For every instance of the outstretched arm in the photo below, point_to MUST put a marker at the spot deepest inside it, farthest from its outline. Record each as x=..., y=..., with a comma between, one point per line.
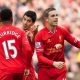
x=72, y=40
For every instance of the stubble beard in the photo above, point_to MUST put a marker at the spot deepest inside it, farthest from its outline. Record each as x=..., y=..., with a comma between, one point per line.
x=54, y=23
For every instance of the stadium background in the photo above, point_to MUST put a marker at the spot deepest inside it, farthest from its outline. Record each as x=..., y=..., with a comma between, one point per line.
x=69, y=17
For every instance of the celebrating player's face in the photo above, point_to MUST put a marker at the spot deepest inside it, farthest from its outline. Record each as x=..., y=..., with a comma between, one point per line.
x=53, y=18
x=27, y=22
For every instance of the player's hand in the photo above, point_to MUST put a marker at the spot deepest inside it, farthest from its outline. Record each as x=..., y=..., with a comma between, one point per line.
x=30, y=34
x=59, y=64
x=34, y=28
x=26, y=72
x=36, y=75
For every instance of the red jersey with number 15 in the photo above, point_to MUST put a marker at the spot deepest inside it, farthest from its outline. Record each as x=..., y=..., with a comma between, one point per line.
x=14, y=46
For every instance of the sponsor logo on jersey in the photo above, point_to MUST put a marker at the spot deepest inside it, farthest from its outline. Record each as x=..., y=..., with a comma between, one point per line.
x=58, y=46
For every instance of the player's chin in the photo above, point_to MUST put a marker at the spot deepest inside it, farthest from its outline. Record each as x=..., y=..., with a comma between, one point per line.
x=25, y=28
x=55, y=23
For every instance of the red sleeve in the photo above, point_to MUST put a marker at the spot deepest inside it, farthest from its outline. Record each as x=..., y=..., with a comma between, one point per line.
x=26, y=50
x=72, y=40
x=40, y=50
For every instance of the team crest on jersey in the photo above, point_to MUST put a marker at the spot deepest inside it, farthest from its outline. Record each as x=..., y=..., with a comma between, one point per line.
x=60, y=38
x=37, y=44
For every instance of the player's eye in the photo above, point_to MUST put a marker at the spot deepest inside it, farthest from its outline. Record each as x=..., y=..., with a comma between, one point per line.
x=28, y=20
x=54, y=15
x=24, y=19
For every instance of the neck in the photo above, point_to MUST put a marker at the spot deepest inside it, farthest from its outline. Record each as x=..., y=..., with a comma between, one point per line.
x=7, y=22
x=51, y=28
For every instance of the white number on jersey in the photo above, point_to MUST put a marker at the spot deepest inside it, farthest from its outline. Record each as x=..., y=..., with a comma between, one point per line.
x=8, y=46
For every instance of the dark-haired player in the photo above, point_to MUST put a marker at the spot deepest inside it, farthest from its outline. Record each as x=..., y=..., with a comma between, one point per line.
x=30, y=29
x=50, y=48
x=15, y=51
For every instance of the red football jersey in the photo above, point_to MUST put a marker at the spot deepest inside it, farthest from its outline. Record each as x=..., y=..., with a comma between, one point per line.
x=15, y=51
x=50, y=46
x=32, y=44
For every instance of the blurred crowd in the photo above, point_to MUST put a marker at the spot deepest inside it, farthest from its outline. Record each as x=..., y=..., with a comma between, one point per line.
x=69, y=18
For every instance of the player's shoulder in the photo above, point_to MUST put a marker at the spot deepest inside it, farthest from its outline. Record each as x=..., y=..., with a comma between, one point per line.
x=61, y=28
x=18, y=29
x=41, y=31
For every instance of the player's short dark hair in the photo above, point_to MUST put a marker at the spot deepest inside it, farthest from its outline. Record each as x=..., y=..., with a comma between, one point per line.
x=5, y=14
x=0, y=16
x=46, y=12
x=31, y=14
